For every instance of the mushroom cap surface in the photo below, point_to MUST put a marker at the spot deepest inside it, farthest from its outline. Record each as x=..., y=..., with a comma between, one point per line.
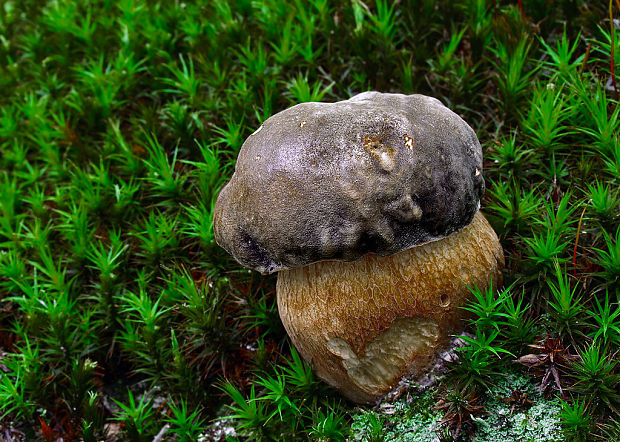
x=376, y=173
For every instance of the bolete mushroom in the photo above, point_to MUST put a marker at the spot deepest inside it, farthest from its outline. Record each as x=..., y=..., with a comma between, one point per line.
x=368, y=208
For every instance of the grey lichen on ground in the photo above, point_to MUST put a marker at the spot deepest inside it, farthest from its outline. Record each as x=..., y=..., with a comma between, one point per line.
x=540, y=422
x=415, y=420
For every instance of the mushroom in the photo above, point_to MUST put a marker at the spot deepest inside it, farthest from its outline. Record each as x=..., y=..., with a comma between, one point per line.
x=369, y=210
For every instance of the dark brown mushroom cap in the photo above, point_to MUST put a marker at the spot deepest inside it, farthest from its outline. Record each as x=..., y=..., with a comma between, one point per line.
x=376, y=173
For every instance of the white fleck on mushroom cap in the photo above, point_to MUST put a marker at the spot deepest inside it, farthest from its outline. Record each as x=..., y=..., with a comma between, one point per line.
x=378, y=173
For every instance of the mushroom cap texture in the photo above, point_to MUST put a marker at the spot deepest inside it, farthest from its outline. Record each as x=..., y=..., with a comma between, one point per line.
x=364, y=325
x=376, y=173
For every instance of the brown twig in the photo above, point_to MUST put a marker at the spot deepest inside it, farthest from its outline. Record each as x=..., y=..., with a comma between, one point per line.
x=585, y=58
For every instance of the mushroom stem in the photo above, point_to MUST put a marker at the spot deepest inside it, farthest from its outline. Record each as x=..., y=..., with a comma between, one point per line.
x=363, y=325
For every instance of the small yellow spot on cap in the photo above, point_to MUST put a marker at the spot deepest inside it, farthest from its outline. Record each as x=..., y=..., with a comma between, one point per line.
x=408, y=141
x=302, y=124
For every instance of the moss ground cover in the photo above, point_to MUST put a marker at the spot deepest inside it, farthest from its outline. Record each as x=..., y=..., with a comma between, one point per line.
x=121, y=319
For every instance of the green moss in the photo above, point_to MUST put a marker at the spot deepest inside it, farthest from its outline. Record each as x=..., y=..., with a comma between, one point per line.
x=120, y=121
